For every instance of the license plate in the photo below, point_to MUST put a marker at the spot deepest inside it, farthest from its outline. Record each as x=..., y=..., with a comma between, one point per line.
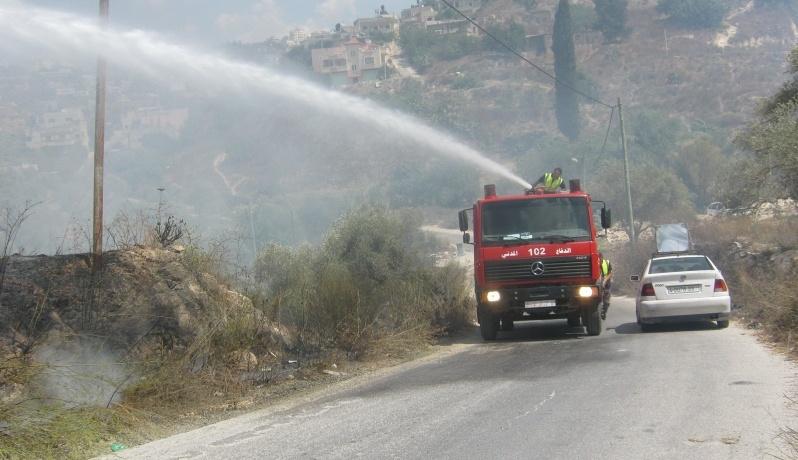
x=689, y=289
x=540, y=304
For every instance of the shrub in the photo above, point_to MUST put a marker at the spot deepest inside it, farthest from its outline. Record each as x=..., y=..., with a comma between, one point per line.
x=422, y=47
x=368, y=280
x=694, y=13
x=611, y=18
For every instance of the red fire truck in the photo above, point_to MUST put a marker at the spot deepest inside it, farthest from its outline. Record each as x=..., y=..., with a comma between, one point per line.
x=536, y=257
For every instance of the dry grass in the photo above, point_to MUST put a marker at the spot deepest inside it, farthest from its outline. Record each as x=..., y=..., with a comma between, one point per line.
x=779, y=232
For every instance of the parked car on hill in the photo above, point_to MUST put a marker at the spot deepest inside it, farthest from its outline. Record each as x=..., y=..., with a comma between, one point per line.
x=681, y=287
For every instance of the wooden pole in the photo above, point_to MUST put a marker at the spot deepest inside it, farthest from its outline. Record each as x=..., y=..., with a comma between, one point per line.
x=99, y=150
x=632, y=236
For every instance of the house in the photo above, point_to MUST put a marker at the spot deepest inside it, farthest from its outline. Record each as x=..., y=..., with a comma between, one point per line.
x=452, y=26
x=297, y=36
x=418, y=14
x=351, y=62
x=64, y=128
x=383, y=24
x=136, y=124
x=468, y=6
x=12, y=120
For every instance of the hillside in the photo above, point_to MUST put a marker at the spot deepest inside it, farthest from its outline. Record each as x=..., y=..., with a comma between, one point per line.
x=709, y=79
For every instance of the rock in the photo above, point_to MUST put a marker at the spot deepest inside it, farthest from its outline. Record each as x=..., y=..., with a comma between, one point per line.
x=785, y=262
x=5, y=428
x=243, y=360
x=779, y=208
x=329, y=372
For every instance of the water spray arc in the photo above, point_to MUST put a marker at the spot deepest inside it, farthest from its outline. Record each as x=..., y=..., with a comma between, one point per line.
x=149, y=55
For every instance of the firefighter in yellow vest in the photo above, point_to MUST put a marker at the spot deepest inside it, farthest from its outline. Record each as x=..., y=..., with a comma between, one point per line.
x=550, y=182
x=606, y=276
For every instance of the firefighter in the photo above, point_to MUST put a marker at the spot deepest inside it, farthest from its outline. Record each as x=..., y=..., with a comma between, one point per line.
x=550, y=182
x=606, y=274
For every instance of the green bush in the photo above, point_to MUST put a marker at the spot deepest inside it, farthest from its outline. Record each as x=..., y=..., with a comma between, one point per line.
x=369, y=279
x=512, y=35
x=694, y=13
x=611, y=19
x=422, y=47
x=583, y=18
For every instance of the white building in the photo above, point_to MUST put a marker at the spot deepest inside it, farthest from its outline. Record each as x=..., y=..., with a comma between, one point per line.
x=65, y=128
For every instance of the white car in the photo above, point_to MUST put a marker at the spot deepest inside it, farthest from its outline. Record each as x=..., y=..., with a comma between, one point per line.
x=682, y=287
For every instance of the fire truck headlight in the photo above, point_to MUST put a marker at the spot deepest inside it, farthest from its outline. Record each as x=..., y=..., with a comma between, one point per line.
x=493, y=296
x=585, y=291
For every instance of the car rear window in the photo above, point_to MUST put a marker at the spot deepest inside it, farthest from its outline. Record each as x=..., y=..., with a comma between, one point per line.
x=681, y=264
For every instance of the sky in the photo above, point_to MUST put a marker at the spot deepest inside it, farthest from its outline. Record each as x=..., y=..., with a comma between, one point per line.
x=229, y=20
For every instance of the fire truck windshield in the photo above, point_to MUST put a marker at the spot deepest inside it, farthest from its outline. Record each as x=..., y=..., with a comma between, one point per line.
x=556, y=219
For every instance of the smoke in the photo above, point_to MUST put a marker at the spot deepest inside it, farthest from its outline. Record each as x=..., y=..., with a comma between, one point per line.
x=295, y=152
x=79, y=372
x=146, y=54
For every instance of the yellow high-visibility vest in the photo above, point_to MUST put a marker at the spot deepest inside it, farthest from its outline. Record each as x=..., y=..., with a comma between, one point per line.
x=550, y=182
x=605, y=267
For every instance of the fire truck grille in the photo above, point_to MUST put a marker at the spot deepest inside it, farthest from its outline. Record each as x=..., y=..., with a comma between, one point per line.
x=543, y=269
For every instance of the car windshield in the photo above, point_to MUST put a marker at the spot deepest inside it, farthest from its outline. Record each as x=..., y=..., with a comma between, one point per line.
x=680, y=264
x=542, y=219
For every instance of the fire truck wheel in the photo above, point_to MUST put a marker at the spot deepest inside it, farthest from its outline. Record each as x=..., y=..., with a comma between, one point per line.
x=574, y=320
x=592, y=320
x=488, y=326
x=507, y=324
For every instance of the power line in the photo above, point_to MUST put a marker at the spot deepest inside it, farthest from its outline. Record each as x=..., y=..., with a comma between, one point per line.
x=523, y=58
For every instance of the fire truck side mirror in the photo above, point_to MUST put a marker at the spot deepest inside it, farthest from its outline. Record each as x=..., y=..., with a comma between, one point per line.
x=606, y=218
x=463, y=220
x=466, y=238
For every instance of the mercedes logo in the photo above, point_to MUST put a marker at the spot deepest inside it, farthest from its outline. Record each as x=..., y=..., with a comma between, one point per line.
x=538, y=268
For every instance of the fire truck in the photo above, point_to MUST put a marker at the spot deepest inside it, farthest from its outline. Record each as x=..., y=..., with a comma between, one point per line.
x=536, y=257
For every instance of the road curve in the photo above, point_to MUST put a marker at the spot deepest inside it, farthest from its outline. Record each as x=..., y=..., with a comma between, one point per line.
x=691, y=391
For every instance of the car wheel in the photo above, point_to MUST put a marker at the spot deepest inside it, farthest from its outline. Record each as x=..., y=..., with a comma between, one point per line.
x=507, y=324
x=592, y=320
x=574, y=321
x=488, y=326
x=723, y=323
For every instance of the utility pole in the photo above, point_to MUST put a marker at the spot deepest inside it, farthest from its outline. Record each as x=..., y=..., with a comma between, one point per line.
x=99, y=150
x=632, y=236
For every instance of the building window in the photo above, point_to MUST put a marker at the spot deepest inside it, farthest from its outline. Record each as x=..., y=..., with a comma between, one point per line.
x=369, y=61
x=340, y=62
x=328, y=63
x=354, y=68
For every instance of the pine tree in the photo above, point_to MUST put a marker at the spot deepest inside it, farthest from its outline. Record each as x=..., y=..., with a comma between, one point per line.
x=611, y=18
x=567, y=104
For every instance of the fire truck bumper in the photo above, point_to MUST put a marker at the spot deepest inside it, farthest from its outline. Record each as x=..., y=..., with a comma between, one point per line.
x=539, y=302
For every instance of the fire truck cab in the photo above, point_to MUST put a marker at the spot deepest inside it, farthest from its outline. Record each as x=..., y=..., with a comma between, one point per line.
x=536, y=257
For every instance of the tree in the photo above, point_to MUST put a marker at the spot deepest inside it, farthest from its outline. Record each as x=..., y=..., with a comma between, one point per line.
x=567, y=104
x=772, y=140
x=658, y=195
x=513, y=35
x=694, y=13
x=700, y=163
x=611, y=18
x=657, y=133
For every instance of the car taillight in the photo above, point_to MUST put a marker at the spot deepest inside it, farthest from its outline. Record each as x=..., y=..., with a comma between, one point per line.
x=648, y=290
x=720, y=286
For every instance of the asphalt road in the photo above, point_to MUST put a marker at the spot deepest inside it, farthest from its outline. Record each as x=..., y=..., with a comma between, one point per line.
x=690, y=391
